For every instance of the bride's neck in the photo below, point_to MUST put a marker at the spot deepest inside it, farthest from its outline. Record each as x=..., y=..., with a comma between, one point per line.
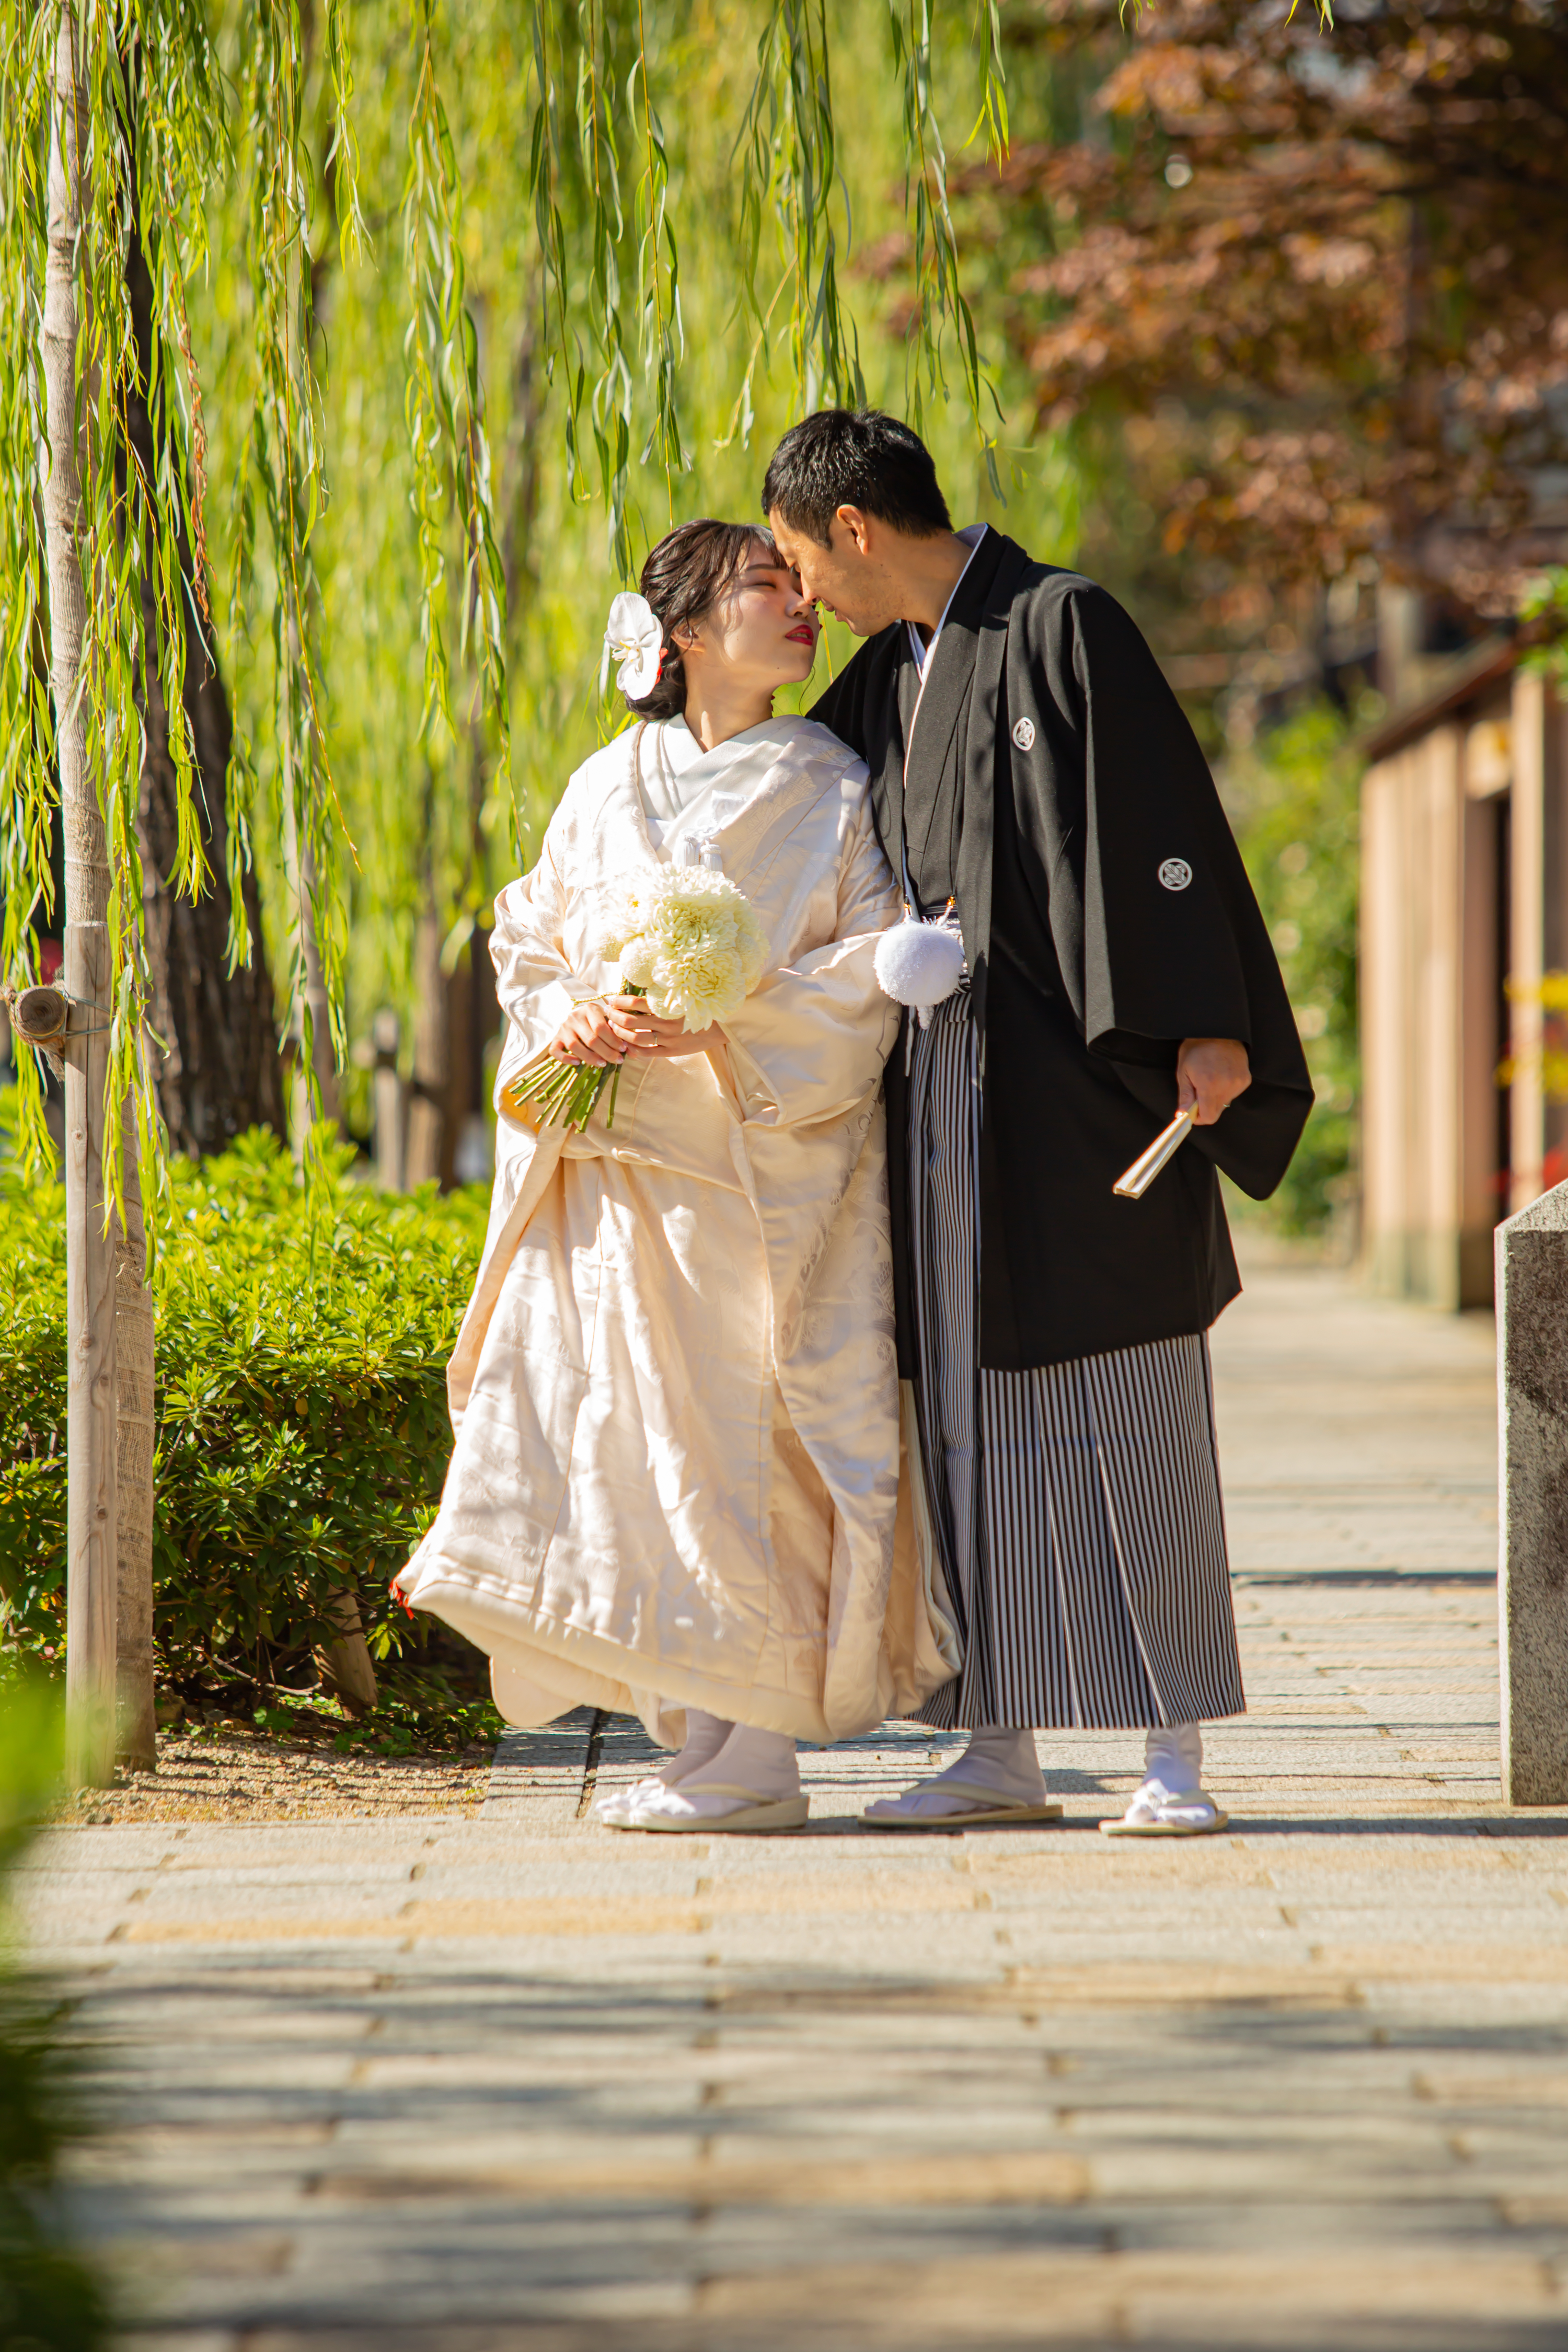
x=719, y=707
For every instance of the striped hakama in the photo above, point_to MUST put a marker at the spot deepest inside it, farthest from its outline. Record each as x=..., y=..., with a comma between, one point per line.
x=1076, y=1508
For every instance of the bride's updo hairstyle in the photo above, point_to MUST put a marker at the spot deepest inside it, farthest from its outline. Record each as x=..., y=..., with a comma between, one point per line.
x=690, y=570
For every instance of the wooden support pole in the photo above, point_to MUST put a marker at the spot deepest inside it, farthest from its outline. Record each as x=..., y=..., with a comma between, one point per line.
x=136, y=1726
x=42, y=1018
x=91, y=1431
x=90, y=1569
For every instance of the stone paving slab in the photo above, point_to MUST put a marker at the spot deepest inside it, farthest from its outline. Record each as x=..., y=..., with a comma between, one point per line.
x=515, y=2084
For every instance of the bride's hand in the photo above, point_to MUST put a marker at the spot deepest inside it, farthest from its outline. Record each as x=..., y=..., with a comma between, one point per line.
x=647, y=1037
x=586, y=1036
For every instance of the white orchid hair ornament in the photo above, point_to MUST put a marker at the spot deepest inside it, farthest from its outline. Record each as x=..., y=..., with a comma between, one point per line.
x=633, y=640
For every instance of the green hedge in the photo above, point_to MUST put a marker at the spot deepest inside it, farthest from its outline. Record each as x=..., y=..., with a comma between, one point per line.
x=301, y=1415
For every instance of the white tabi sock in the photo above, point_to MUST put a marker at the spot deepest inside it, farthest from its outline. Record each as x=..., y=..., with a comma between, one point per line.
x=1174, y=1755
x=1001, y=1760
x=999, y=1767
x=705, y=1735
x=761, y=1763
x=1173, y=1797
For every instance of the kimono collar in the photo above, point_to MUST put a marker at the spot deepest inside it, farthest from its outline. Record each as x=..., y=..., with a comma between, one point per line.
x=972, y=536
x=748, y=793
x=674, y=771
x=681, y=753
x=930, y=731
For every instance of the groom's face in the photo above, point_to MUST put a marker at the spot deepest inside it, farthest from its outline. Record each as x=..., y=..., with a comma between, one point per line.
x=851, y=577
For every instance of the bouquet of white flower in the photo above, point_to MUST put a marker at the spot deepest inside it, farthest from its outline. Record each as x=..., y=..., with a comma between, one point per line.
x=689, y=941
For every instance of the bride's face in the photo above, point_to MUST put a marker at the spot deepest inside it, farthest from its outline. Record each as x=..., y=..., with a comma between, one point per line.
x=762, y=632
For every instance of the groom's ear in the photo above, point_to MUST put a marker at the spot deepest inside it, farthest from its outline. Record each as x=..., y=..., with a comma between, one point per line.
x=858, y=526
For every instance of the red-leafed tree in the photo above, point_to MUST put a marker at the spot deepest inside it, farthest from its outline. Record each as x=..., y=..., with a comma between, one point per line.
x=1317, y=280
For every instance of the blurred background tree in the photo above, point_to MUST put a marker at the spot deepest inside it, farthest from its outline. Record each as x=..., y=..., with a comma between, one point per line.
x=1302, y=301
x=1296, y=303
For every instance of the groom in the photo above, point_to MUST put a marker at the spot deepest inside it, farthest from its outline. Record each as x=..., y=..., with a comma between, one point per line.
x=1033, y=775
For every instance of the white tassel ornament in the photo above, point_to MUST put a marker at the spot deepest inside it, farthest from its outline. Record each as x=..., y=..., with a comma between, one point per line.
x=920, y=964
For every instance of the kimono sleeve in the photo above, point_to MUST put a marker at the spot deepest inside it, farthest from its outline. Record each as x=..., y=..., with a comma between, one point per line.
x=535, y=980
x=1173, y=940
x=810, y=1041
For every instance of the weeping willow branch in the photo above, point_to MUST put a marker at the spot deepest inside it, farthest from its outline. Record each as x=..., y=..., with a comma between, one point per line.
x=445, y=409
x=599, y=50
x=610, y=406
x=660, y=301
x=787, y=150
x=170, y=138
x=342, y=156
x=145, y=170
x=27, y=789
x=544, y=184
x=940, y=302
x=283, y=464
x=992, y=116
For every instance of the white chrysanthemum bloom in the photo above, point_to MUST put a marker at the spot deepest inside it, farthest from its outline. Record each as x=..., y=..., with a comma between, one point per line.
x=639, y=961
x=692, y=940
x=639, y=899
x=685, y=927
x=699, y=983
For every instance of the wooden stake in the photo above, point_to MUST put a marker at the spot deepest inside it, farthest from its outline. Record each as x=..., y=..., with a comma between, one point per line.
x=346, y=1665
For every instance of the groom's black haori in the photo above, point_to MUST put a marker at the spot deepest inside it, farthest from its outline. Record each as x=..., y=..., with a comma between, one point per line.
x=1053, y=788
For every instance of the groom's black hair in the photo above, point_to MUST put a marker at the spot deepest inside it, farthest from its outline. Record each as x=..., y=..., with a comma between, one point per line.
x=854, y=458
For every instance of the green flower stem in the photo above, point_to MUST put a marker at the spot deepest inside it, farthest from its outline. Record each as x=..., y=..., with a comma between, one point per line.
x=567, y=1093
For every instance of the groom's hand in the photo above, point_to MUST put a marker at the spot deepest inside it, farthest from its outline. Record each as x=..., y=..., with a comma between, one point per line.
x=1211, y=1072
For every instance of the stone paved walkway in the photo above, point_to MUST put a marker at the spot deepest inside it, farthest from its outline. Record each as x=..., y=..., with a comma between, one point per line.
x=517, y=2084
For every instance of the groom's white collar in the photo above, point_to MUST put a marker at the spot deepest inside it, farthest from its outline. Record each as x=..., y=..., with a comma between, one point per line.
x=972, y=536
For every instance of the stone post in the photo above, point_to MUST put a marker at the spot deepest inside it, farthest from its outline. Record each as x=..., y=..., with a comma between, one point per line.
x=1533, y=1472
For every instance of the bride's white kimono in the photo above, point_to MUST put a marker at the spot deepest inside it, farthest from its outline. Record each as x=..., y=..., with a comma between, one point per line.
x=674, y=1392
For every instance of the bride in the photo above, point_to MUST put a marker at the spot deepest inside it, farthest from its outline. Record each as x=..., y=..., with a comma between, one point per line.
x=675, y=1488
